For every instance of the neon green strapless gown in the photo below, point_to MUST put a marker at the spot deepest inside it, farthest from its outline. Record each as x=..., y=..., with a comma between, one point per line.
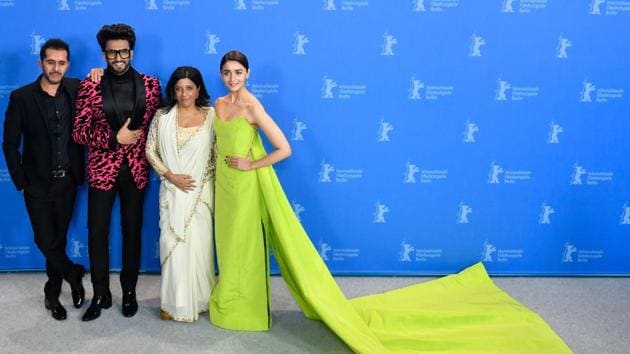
x=461, y=313
x=240, y=300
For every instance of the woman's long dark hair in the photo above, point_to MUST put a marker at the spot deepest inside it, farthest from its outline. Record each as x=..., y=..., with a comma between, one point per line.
x=185, y=72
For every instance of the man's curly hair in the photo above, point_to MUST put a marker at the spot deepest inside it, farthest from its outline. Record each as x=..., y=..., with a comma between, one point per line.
x=116, y=31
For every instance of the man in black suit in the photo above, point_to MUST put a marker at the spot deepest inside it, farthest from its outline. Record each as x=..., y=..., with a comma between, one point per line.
x=48, y=167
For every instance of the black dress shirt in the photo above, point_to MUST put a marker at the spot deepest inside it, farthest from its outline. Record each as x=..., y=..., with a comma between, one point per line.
x=57, y=116
x=123, y=93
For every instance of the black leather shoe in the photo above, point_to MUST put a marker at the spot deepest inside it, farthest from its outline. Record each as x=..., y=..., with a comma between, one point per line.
x=129, y=305
x=76, y=287
x=94, y=311
x=56, y=310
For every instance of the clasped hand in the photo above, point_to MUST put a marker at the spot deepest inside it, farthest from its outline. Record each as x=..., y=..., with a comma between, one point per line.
x=184, y=182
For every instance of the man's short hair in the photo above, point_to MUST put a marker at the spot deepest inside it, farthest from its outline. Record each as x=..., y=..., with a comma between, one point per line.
x=54, y=43
x=116, y=31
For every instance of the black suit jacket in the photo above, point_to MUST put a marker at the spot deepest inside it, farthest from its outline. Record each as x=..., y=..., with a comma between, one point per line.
x=25, y=124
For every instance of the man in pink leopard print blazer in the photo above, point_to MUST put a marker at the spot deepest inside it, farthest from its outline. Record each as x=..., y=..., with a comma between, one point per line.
x=112, y=118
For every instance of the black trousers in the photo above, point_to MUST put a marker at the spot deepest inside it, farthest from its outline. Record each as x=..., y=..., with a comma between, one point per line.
x=50, y=215
x=100, y=205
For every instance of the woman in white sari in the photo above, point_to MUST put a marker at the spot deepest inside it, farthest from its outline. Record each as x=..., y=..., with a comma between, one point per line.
x=179, y=148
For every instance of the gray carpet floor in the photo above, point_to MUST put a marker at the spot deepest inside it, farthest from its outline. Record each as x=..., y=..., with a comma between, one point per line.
x=592, y=315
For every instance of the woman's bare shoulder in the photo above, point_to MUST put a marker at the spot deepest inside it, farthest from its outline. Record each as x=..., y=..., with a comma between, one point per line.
x=220, y=101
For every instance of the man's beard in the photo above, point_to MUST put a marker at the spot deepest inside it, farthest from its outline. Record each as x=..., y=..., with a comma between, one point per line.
x=113, y=69
x=50, y=80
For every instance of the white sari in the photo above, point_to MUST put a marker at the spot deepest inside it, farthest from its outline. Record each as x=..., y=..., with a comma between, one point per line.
x=186, y=226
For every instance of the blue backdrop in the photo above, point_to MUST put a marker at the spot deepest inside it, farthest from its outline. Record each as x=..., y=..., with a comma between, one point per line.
x=427, y=135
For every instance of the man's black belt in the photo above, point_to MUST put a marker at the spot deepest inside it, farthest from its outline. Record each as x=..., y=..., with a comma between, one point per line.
x=60, y=173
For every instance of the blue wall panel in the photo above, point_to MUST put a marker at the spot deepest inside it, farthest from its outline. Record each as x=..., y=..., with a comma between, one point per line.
x=427, y=134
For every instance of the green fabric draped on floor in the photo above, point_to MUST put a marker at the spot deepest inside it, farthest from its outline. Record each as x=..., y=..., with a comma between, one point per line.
x=461, y=313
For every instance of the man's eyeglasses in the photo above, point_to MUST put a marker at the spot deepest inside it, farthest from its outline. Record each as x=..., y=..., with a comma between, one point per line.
x=123, y=53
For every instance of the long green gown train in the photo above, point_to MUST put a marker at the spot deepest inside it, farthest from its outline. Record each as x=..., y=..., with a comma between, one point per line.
x=461, y=313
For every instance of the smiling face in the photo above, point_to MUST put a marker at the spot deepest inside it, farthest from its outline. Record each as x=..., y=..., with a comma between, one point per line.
x=54, y=65
x=118, y=55
x=186, y=92
x=234, y=75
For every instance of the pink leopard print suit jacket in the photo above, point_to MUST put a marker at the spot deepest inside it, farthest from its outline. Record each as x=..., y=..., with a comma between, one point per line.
x=105, y=155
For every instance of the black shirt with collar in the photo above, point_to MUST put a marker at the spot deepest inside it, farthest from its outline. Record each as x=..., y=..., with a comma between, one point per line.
x=57, y=114
x=122, y=87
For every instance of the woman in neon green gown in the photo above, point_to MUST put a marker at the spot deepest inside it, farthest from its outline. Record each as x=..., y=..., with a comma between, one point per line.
x=462, y=313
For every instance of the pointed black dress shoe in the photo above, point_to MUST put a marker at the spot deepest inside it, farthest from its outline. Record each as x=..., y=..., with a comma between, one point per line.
x=57, y=311
x=76, y=288
x=94, y=311
x=129, y=305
